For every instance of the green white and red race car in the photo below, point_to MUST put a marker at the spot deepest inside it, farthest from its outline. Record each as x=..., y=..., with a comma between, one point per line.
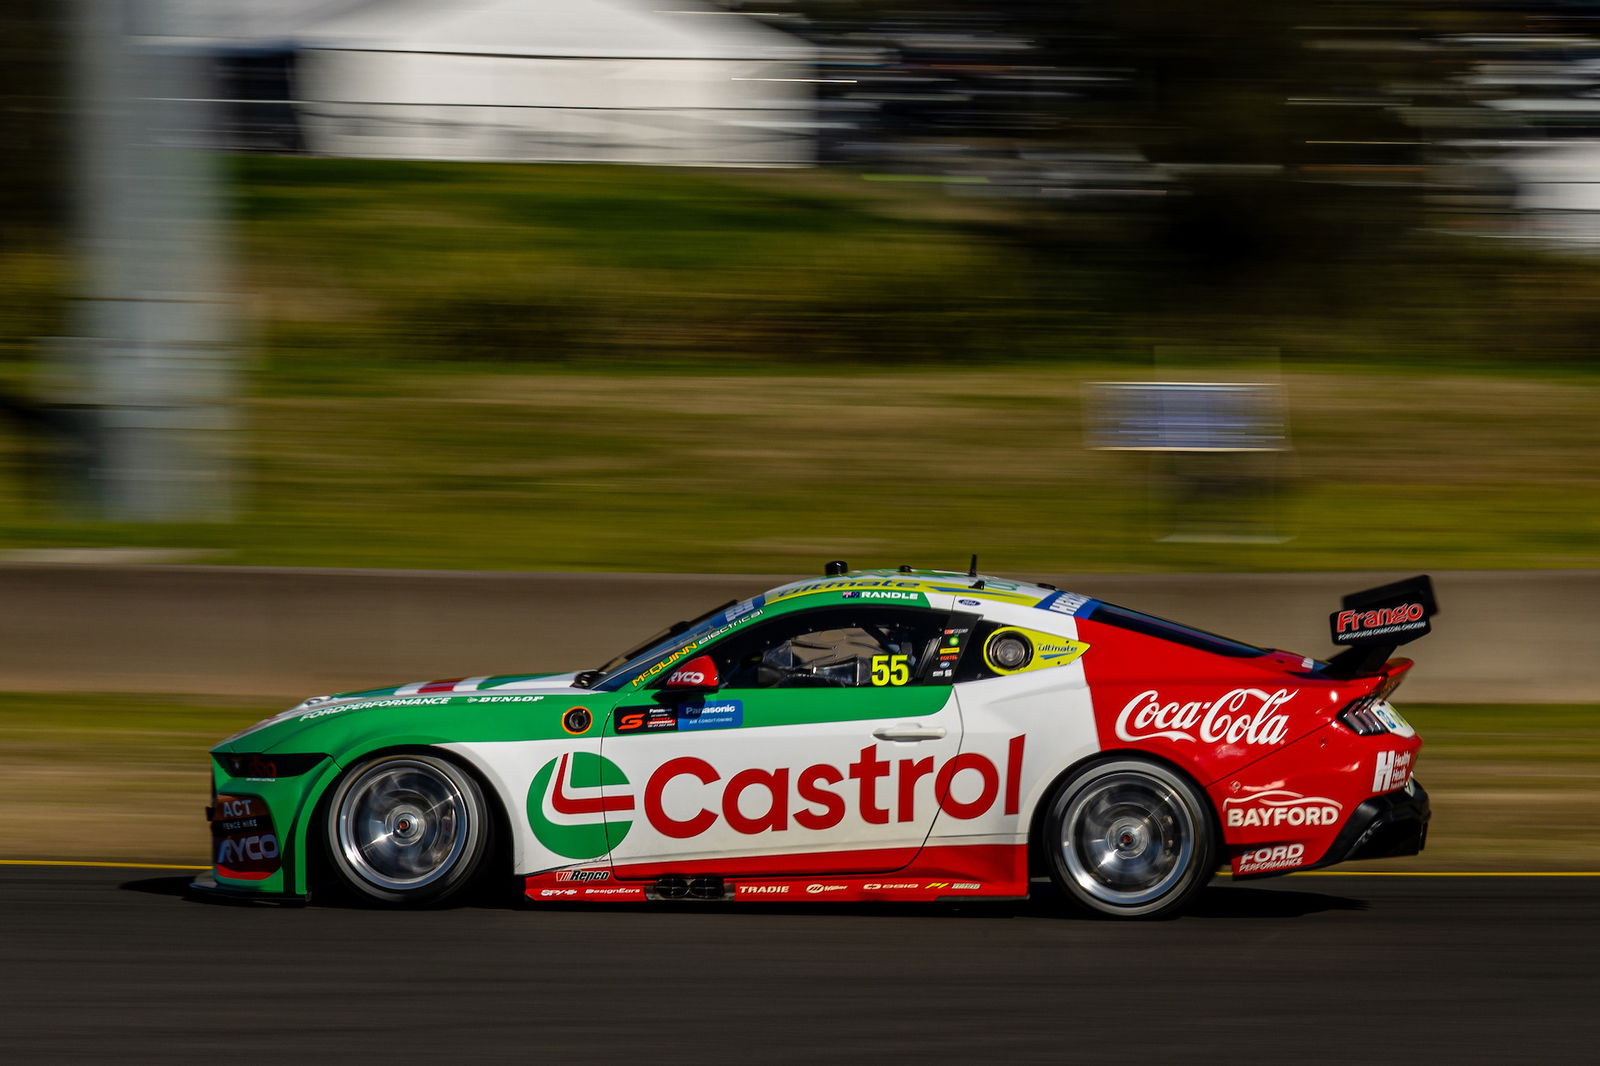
x=880, y=735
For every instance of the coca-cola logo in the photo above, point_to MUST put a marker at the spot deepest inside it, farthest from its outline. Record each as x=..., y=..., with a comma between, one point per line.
x=1242, y=716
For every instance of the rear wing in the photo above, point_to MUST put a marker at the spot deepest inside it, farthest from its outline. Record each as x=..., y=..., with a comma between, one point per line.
x=1373, y=623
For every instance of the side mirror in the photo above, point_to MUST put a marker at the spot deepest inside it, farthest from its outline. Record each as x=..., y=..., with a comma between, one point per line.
x=698, y=673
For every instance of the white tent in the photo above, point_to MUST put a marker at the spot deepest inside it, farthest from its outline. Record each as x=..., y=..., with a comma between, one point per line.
x=606, y=80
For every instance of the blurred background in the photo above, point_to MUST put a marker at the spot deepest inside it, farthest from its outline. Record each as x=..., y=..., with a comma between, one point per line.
x=1110, y=286
x=529, y=284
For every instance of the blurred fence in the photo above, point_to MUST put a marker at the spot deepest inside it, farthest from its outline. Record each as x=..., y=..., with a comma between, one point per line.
x=259, y=631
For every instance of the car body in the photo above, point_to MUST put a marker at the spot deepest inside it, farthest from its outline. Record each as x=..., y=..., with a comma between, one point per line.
x=879, y=735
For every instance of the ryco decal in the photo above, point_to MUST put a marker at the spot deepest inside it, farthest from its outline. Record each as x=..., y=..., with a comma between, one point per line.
x=1242, y=716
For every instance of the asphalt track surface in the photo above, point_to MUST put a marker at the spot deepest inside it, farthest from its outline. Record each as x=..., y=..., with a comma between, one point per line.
x=115, y=965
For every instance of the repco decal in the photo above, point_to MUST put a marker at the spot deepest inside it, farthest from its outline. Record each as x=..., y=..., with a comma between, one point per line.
x=1242, y=716
x=571, y=796
x=1278, y=806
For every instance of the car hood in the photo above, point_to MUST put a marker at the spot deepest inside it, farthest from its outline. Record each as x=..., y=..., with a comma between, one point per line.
x=431, y=711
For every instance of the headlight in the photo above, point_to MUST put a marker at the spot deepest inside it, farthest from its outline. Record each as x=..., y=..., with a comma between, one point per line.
x=266, y=767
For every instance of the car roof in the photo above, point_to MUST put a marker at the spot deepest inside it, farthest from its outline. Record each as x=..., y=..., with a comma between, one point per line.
x=986, y=588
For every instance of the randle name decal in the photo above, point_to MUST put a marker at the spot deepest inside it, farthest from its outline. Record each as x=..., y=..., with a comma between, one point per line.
x=1242, y=716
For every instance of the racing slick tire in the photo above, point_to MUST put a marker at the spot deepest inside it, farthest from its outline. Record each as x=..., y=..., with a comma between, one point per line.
x=1129, y=838
x=407, y=829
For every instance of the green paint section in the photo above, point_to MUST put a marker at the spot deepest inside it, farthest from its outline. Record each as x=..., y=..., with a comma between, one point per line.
x=291, y=801
x=470, y=717
x=586, y=840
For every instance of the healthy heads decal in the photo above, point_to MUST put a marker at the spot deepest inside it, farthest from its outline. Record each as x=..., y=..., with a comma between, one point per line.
x=568, y=804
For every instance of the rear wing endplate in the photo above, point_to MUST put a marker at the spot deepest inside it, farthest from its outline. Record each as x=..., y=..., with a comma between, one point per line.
x=1373, y=623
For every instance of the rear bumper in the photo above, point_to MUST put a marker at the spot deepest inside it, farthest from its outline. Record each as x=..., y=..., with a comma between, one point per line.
x=1383, y=827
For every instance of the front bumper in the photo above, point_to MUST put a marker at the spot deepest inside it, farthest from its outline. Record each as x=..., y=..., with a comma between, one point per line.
x=1384, y=827
x=205, y=887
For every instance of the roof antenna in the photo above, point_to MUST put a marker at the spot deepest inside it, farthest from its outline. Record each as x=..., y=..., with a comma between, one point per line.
x=972, y=571
x=835, y=567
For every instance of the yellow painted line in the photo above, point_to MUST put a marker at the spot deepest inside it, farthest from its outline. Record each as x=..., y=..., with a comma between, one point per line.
x=111, y=865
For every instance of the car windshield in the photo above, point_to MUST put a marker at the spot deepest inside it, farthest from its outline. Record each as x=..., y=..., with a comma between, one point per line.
x=673, y=639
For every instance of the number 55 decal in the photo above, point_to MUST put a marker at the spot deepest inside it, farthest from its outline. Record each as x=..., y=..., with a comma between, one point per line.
x=891, y=669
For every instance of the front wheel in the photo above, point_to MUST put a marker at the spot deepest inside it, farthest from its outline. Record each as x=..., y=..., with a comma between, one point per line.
x=1129, y=838
x=407, y=829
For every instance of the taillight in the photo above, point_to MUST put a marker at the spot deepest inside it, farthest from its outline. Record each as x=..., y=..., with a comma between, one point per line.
x=1371, y=715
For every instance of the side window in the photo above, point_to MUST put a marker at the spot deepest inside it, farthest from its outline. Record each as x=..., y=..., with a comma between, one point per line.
x=835, y=647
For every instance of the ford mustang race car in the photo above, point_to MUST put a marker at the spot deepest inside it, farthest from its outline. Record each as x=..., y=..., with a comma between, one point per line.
x=889, y=735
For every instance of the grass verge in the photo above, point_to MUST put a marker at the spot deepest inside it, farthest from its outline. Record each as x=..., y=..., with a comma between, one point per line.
x=474, y=366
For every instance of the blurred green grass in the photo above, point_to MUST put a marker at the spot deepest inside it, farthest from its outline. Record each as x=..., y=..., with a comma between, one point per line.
x=614, y=368
x=104, y=777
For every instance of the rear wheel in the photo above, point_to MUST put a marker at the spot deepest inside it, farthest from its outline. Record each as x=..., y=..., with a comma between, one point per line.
x=1129, y=838
x=407, y=829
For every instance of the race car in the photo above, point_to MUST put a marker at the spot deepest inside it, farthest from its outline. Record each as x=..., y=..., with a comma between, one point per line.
x=870, y=735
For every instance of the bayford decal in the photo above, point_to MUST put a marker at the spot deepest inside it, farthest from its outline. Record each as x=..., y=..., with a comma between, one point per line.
x=1242, y=716
x=1277, y=807
x=570, y=796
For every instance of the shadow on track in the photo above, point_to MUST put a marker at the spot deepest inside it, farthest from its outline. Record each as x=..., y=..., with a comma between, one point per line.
x=1237, y=901
x=1217, y=901
x=158, y=886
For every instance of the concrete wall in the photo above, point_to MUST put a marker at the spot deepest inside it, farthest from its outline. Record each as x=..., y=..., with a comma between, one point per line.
x=1500, y=635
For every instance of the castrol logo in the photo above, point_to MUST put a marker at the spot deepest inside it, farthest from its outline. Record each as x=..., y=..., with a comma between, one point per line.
x=1242, y=716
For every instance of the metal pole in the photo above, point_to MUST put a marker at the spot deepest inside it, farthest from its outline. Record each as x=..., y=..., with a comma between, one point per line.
x=150, y=372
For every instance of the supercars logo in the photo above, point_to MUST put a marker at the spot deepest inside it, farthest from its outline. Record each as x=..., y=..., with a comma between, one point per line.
x=568, y=802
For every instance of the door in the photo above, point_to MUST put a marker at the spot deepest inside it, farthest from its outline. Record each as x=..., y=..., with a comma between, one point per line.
x=820, y=741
